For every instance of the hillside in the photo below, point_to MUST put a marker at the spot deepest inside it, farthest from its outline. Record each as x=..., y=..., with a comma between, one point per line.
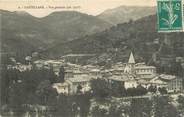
x=120, y=36
x=140, y=36
x=125, y=13
x=20, y=33
x=70, y=25
x=23, y=33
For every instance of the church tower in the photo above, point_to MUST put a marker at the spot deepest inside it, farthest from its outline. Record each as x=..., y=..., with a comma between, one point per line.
x=129, y=68
x=131, y=59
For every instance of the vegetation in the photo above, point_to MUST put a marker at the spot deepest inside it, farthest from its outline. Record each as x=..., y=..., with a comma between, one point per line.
x=24, y=91
x=180, y=101
x=103, y=89
x=139, y=90
x=152, y=89
x=162, y=90
x=100, y=88
x=141, y=107
x=163, y=107
x=139, y=36
x=61, y=74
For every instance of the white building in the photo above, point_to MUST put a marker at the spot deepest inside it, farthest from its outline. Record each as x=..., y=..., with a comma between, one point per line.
x=20, y=67
x=74, y=83
x=145, y=72
x=170, y=82
x=127, y=80
x=140, y=69
x=175, y=85
x=61, y=87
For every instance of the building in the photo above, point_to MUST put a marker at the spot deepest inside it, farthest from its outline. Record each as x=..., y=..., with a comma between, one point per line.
x=127, y=80
x=175, y=85
x=159, y=82
x=170, y=82
x=129, y=68
x=20, y=67
x=47, y=64
x=75, y=83
x=141, y=70
x=61, y=88
x=145, y=72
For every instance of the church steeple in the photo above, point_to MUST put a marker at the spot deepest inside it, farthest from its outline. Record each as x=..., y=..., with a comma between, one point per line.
x=131, y=59
x=129, y=68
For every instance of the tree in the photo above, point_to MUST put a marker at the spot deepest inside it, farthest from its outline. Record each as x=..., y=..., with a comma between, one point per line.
x=63, y=107
x=83, y=101
x=79, y=88
x=61, y=74
x=5, y=84
x=163, y=107
x=16, y=95
x=152, y=89
x=140, y=107
x=100, y=88
x=114, y=111
x=118, y=89
x=51, y=75
x=140, y=90
x=46, y=92
x=131, y=91
x=99, y=112
x=162, y=90
x=180, y=101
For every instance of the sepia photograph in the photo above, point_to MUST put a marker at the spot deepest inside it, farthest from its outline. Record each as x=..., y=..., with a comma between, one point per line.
x=91, y=58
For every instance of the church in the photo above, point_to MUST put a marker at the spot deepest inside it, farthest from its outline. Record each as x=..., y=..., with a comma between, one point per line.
x=141, y=70
x=147, y=75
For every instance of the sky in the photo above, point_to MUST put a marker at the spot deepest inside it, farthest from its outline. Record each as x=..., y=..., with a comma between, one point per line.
x=91, y=7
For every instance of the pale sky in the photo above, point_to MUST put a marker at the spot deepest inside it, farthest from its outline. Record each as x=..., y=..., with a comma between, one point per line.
x=92, y=7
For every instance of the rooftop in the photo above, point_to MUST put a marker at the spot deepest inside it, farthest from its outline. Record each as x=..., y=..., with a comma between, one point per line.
x=131, y=58
x=60, y=84
x=144, y=67
x=79, y=79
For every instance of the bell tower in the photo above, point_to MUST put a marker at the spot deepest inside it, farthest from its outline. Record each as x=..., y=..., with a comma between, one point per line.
x=129, y=68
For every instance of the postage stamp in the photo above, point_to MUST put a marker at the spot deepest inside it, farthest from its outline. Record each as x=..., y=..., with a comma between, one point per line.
x=169, y=15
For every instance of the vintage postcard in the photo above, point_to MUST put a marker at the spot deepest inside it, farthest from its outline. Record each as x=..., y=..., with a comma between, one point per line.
x=91, y=58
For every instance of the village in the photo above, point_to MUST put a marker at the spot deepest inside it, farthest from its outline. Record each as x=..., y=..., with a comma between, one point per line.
x=129, y=75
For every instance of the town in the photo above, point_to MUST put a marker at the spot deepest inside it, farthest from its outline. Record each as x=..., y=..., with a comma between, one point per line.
x=61, y=87
x=129, y=75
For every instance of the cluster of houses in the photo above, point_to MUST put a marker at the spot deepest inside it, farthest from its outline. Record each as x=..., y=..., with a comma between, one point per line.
x=129, y=74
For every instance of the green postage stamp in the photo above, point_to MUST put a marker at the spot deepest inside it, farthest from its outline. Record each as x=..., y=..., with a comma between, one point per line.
x=170, y=15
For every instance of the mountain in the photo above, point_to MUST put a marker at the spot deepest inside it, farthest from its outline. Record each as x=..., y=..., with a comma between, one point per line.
x=70, y=25
x=125, y=13
x=116, y=43
x=20, y=33
x=122, y=36
x=23, y=33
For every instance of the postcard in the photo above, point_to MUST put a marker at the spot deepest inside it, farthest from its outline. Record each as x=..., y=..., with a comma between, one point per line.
x=91, y=58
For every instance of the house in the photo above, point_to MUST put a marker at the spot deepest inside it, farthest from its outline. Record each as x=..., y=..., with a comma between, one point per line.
x=159, y=82
x=114, y=80
x=20, y=67
x=61, y=88
x=172, y=83
x=75, y=83
x=130, y=81
x=126, y=80
x=175, y=85
x=145, y=72
x=141, y=70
